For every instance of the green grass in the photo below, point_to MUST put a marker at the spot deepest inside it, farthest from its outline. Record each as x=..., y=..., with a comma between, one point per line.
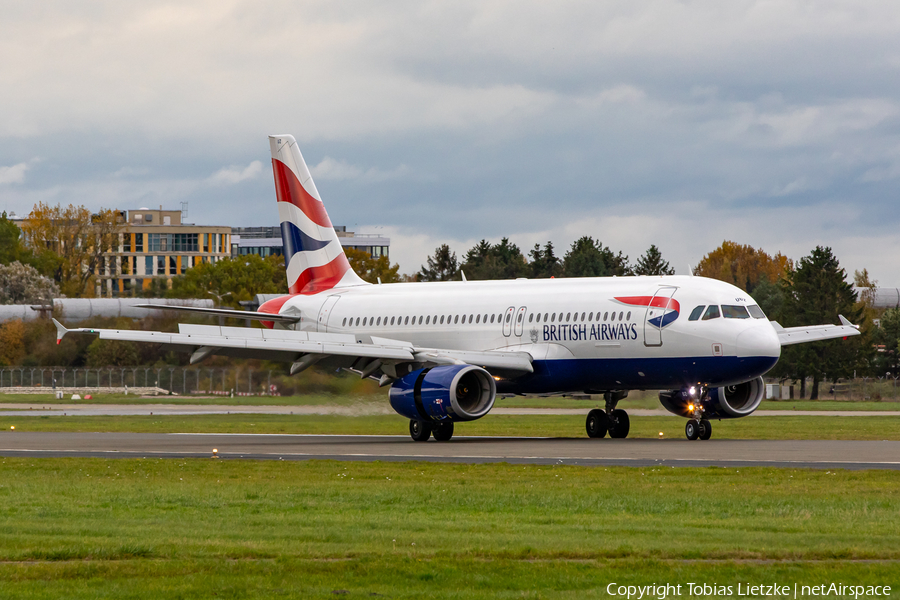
x=91, y=528
x=787, y=427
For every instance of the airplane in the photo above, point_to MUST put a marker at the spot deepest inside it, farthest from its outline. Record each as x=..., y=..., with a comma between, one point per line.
x=447, y=349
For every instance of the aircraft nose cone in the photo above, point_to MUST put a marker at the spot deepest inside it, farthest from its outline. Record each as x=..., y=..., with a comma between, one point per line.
x=760, y=340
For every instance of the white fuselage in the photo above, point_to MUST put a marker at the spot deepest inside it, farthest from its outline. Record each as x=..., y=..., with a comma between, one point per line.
x=583, y=333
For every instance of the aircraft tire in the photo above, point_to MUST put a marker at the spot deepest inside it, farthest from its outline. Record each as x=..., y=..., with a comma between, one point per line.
x=692, y=429
x=597, y=423
x=442, y=431
x=705, y=429
x=419, y=431
x=619, y=424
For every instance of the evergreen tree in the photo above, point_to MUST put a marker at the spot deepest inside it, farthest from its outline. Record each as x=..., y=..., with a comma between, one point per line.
x=652, y=263
x=817, y=294
x=442, y=266
x=888, y=335
x=544, y=262
x=590, y=258
x=497, y=261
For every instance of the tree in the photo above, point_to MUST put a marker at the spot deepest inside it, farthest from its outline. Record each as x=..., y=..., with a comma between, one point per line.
x=442, y=266
x=544, y=262
x=12, y=342
x=652, y=263
x=817, y=293
x=494, y=261
x=22, y=284
x=888, y=335
x=589, y=258
x=108, y=353
x=73, y=238
x=10, y=240
x=371, y=269
x=232, y=279
x=742, y=266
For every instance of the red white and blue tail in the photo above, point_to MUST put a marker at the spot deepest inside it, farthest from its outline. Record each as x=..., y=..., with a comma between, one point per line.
x=313, y=256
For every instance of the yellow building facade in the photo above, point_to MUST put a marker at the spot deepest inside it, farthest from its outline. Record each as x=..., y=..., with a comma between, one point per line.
x=157, y=246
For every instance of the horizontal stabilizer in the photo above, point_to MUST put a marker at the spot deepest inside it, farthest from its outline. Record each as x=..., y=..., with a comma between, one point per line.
x=226, y=312
x=814, y=333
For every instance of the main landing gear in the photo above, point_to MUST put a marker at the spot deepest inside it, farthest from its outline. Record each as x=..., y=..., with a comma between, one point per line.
x=420, y=431
x=613, y=421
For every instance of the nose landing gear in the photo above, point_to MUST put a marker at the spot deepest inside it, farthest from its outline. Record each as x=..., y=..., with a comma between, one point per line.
x=697, y=427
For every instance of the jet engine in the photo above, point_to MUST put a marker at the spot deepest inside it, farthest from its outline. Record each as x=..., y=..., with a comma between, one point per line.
x=455, y=392
x=726, y=402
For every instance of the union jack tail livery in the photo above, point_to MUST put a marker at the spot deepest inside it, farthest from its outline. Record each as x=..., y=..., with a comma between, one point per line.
x=313, y=256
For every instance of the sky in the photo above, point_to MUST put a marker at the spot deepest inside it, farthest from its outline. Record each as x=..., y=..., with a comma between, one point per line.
x=681, y=124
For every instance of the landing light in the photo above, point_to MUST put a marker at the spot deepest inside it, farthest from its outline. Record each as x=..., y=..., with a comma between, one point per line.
x=692, y=391
x=690, y=407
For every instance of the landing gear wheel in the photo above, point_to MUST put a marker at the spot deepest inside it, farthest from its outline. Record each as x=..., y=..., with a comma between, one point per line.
x=420, y=431
x=442, y=430
x=705, y=429
x=692, y=429
x=619, y=424
x=597, y=423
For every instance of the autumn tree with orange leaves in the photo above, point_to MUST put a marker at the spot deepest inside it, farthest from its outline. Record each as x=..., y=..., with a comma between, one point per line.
x=76, y=238
x=743, y=266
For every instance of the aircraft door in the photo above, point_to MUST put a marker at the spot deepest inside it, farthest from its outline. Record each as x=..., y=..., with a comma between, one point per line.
x=520, y=321
x=654, y=318
x=507, y=321
x=325, y=312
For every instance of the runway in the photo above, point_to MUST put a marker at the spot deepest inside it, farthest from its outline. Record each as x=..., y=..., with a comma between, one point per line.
x=571, y=451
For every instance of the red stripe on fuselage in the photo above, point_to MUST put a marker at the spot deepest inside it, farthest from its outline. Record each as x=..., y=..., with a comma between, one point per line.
x=319, y=279
x=654, y=301
x=289, y=189
x=272, y=307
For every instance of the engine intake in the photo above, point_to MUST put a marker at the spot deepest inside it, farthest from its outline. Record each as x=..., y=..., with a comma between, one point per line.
x=455, y=392
x=726, y=402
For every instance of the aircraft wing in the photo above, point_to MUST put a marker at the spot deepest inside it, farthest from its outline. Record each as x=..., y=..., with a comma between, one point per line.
x=226, y=312
x=814, y=333
x=365, y=355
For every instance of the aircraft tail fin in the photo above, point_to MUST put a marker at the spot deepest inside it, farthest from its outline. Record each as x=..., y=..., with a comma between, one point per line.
x=313, y=256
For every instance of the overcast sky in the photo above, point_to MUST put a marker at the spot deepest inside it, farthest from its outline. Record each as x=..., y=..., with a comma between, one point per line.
x=680, y=124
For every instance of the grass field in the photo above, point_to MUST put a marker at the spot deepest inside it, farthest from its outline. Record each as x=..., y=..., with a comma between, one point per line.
x=90, y=528
x=787, y=427
x=637, y=399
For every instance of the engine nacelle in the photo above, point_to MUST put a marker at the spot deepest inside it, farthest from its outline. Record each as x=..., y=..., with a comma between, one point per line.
x=455, y=392
x=727, y=402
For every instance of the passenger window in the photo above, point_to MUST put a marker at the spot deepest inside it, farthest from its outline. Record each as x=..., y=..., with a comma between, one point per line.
x=756, y=312
x=428, y=320
x=442, y=319
x=470, y=318
x=567, y=317
x=492, y=318
x=613, y=317
x=507, y=318
x=620, y=315
x=364, y=321
x=485, y=318
x=695, y=314
x=344, y=324
x=519, y=320
x=420, y=319
x=628, y=316
x=582, y=316
x=711, y=313
x=545, y=317
x=553, y=318
x=477, y=319
x=735, y=312
x=605, y=315
x=531, y=318
x=456, y=319
x=406, y=321
x=590, y=316
x=357, y=321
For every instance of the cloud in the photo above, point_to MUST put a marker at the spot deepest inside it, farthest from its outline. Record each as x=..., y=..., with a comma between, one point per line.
x=235, y=174
x=13, y=174
x=330, y=169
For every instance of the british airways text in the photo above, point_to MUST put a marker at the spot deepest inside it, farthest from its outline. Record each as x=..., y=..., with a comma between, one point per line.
x=575, y=333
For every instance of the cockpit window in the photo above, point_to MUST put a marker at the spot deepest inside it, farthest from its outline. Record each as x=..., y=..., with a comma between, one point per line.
x=695, y=314
x=711, y=313
x=756, y=312
x=735, y=312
